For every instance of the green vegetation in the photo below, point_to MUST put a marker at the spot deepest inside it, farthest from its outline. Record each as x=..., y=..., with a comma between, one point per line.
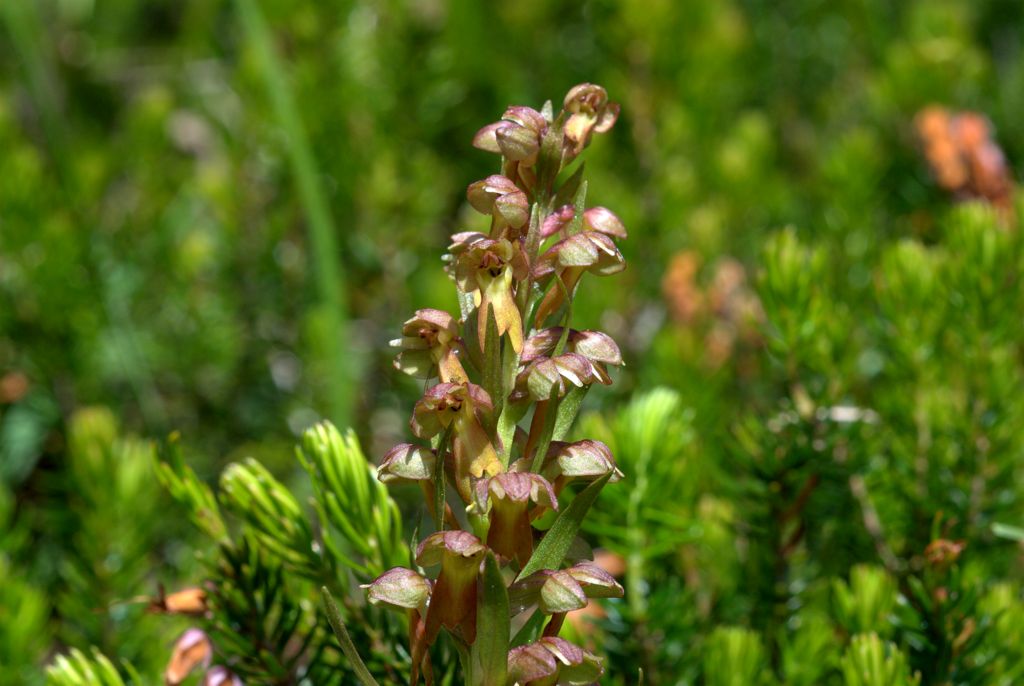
x=214, y=215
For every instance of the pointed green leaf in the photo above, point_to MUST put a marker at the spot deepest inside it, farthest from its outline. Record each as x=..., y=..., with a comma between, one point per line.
x=550, y=417
x=568, y=408
x=580, y=203
x=356, y=662
x=556, y=542
x=439, y=497
x=490, y=651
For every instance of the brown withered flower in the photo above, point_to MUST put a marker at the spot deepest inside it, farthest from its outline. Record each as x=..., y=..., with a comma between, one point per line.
x=189, y=602
x=192, y=651
x=964, y=157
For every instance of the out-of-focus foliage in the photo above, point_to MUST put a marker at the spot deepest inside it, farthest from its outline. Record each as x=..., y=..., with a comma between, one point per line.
x=841, y=404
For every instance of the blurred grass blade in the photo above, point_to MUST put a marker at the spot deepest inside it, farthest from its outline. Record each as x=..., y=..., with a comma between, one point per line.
x=555, y=544
x=490, y=650
x=356, y=662
x=1008, y=531
x=322, y=231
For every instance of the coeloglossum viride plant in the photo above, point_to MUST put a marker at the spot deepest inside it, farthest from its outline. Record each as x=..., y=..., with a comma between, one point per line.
x=510, y=375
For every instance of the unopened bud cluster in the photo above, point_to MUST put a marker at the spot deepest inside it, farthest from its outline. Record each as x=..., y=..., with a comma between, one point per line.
x=510, y=373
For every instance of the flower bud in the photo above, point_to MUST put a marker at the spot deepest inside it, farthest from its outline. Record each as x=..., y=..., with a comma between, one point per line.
x=570, y=257
x=517, y=136
x=407, y=462
x=501, y=197
x=595, y=581
x=192, y=650
x=597, y=347
x=553, y=660
x=561, y=593
x=565, y=590
x=586, y=459
x=399, y=588
x=486, y=139
x=544, y=375
x=518, y=143
x=557, y=220
x=603, y=220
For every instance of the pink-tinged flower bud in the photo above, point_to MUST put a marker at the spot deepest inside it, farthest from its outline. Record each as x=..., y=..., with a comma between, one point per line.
x=551, y=661
x=453, y=600
x=557, y=220
x=509, y=496
x=192, y=651
x=460, y=406
x=595, y=581
x=603, y=220
x=517, y=136
x=526, y=117
x=571, y=257
x=399, y=588
x=541, y=344
x=222, y=676
x=560, y=591
x=486, y=139
x=590, y=112
x=532, y=665
x=586, y=460
x=488, y=269
x=501, y=197
x=518, y=143
x=428, y=344
x=597, y=347
x=407, y=462
x=546, y=375
x=590, y=249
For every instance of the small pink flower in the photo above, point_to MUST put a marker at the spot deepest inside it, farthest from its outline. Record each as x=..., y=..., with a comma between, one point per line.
x=589, y=113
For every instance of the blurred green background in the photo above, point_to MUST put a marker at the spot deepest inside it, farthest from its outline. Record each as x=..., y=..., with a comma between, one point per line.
x=214, y=214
